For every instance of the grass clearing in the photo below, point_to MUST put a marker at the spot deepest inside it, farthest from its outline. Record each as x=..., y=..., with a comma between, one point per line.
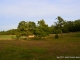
x=7, y=37
x=45, y=49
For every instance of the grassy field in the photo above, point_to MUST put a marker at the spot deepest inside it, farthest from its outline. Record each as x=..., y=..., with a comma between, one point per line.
x=7, y=37
x=68, y=45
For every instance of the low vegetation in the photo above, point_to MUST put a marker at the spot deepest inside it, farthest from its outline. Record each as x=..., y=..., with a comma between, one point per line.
x=42, y=49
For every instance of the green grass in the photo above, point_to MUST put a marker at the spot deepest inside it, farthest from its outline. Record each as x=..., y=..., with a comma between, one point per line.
x=45, y=49
x=7, y=37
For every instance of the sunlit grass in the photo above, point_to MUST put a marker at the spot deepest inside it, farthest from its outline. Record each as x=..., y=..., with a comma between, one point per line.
x=7, y=37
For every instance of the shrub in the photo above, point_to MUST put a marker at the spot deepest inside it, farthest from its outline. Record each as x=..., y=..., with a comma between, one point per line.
x=24, y=38
x=56, y=36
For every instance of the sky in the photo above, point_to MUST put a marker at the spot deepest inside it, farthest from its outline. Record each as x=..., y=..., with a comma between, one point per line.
x=14, y=11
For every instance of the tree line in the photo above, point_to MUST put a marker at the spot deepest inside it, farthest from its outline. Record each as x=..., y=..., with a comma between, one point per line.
x=41, y=29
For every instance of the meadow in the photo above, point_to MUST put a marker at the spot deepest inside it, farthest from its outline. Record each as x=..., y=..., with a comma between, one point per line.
x=67, y=45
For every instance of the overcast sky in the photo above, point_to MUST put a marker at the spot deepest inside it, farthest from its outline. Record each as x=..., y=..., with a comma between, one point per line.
x=14, y=11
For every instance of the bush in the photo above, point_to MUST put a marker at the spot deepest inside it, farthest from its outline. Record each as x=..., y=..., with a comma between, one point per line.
x=56, y=36
x=36, y=38
x=24, y=38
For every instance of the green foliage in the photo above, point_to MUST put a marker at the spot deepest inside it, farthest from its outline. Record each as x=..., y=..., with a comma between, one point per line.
x=22, y=28
x=8, y=32
x=25, y=28
x=71, y=26
x=58, y=31
x=52, y=29
x=41, y=29
x=59, y=24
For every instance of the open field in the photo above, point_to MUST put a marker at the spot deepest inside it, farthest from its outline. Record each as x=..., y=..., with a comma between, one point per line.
x=45, y=49
x=7, y=37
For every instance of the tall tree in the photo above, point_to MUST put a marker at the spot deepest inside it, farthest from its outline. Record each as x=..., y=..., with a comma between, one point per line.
x=59, y=24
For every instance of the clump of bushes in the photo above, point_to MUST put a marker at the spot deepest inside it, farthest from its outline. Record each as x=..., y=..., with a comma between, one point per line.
x=56, y=36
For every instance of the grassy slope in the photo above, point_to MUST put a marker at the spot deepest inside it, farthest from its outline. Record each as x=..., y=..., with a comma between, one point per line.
x=46, y=49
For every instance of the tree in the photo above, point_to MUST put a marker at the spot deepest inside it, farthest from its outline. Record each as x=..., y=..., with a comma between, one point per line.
x=70, y=25
x=22, y=29
x=11, y=32
x=25, y=28
x=31, y=27
x=65, y=28
x=41, y=29
x=77, y=25
x=51, y=29
x=59, y=24
x=2, y=32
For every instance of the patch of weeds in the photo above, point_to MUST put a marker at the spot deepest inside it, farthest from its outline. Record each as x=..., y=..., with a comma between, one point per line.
x=26, y=55
x=77, y=35
x=24, y=38
x=7, y=54
x=17, y=39
x=36, y=38
x=39, y=50
x=14, y=53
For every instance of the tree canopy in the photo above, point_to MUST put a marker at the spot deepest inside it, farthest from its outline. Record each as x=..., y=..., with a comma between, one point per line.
x=41, y=29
